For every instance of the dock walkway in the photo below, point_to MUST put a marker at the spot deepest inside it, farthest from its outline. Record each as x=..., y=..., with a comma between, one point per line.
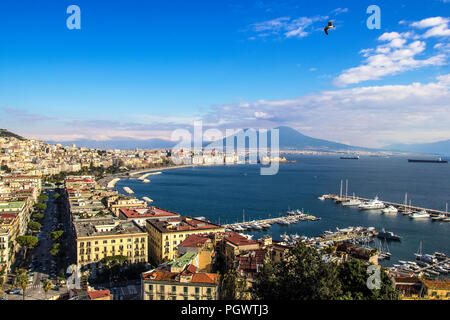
x=399, y=206
x=272, y=220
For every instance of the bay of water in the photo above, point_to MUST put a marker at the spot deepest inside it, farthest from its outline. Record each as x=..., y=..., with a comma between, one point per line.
x=221, y=193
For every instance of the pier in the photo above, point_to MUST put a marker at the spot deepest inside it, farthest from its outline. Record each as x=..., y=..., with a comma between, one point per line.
x=112, y=183
x=128, y=190
x=400, y=206
x=270, y=221
x=424, y=269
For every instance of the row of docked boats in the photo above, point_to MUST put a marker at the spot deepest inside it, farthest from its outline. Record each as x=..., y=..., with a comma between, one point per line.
x=250, y=226
x=428, y=264
x=377, y=204
x=292, y=217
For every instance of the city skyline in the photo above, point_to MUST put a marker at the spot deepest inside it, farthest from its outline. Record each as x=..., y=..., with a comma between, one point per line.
x=144, y=70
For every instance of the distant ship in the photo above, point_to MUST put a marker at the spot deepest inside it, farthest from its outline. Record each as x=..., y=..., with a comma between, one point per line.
x=438, y=160
x=350, y=157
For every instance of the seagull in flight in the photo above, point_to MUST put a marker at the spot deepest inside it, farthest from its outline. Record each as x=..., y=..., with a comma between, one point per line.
x=329, y=26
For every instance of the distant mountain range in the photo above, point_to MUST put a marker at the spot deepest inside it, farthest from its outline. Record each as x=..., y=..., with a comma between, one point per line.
x=439, y=148
x=292, y=139
x=289, y=139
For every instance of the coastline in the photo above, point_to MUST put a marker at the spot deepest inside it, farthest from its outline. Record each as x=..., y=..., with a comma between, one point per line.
x=130, y=174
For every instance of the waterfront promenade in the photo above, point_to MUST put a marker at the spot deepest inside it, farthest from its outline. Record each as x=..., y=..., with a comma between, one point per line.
x=105, y=181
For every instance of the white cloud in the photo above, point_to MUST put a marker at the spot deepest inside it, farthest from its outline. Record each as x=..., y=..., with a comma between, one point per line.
x=262, y=115
x=368, y=116
x=287, y=27
x=338, y=11
x=393, y=56
x=437, y=27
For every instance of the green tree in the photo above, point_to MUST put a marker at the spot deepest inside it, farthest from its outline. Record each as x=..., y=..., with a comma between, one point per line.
x=35, y=226
x=56, y=249
x=26, y=242
x=56, y=196
x=47, y=285
x=38, y=216
x=232, y=286
x=301, y=275
x=40, y=206
x=56, y=235
x=22, y=280
x=2, y=277
x=42, y=197
x=353, y=275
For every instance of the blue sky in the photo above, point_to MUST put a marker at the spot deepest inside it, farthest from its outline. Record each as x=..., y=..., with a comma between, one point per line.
x=141, y=69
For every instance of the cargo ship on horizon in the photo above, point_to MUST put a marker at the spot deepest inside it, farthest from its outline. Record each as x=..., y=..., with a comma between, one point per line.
x=438, y=160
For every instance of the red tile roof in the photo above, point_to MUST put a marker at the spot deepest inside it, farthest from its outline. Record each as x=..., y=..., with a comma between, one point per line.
x=182, y=224
x=238, y=240
x=98, y=294
x=194, y=240
x=150, y=212
x=164, y=275
x=210, y=278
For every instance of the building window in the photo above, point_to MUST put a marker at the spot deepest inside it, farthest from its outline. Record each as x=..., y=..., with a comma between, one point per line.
x=197, y=290
x=185, y=289
x=174, y=288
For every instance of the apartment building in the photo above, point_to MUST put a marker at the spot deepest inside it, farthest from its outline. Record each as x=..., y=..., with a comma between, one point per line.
x=165, y=235
x=106, y=237
x=187, y=284
x=5, y=261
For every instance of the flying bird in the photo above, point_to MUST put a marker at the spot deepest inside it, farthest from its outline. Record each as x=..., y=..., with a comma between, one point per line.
x=329, y=26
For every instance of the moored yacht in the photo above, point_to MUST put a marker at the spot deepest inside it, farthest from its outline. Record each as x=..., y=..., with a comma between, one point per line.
x=420, y=215
x=372, y=205
x=439, y=217
x=390, y=209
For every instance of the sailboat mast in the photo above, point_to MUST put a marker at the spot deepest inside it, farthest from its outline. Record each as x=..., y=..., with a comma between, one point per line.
x=340, y=192
x=406, y=199
x=346, y=188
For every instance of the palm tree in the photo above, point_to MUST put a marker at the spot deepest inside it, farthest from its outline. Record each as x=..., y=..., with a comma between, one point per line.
x=22, y=282
x=47, y=285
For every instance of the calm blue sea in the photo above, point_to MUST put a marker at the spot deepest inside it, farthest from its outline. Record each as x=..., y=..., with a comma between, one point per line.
x=221, y=193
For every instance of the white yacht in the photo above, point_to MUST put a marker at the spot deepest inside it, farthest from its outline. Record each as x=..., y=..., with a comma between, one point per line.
x=372, y=204
x=390, y=209
x=420, y=215
x=439, y=217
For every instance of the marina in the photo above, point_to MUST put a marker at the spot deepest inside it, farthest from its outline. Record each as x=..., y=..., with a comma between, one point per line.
x=414, y=212
x=292, y=217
